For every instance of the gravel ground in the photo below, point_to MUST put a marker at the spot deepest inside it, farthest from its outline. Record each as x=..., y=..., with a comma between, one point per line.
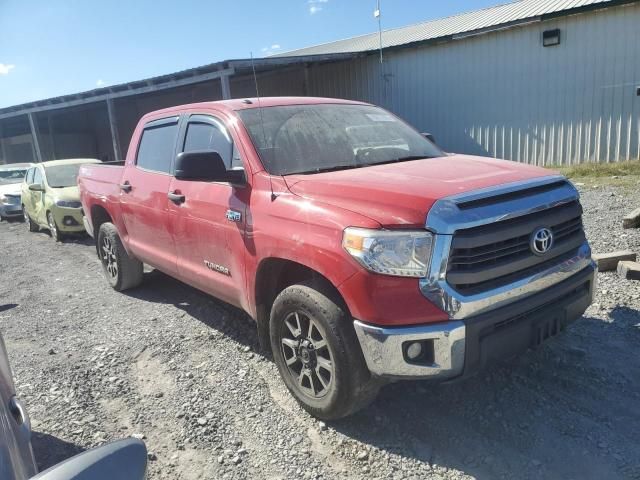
x=183, y=371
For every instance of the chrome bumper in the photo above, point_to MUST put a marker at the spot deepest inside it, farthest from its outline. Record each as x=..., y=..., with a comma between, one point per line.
x=382, y=348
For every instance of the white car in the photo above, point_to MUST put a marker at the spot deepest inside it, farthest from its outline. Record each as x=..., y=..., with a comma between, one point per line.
x=11, y=177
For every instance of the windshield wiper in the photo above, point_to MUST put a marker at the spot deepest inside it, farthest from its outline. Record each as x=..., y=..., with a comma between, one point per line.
x=335, y=168
x=408, y=158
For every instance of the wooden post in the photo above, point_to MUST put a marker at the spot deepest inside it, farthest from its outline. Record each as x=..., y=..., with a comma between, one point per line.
x=113, y=125
x=226, y=87
x=34, y=136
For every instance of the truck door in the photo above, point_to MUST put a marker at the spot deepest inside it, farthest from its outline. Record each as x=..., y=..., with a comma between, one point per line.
x=143, y=198
x=209, y=217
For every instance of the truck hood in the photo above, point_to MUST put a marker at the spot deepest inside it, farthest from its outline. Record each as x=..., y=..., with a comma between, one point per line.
x=402, y=193
x=10, y=188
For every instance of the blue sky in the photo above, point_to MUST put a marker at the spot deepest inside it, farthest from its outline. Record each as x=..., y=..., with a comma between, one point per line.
x=50, y=48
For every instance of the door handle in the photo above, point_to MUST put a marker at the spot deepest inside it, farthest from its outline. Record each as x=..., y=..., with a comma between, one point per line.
x=176, y=197
x=126, y=187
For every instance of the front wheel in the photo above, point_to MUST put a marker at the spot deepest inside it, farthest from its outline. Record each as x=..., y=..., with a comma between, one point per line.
x=317, y=352
x=122, y=271
x=53, y=228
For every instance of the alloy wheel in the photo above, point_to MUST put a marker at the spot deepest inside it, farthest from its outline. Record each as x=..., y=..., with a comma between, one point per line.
x=306, y=354
x=52, y=226
x=27, y=218
x=109, y=257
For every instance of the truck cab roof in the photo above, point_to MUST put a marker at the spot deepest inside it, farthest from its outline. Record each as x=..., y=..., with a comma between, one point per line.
x=253, y=102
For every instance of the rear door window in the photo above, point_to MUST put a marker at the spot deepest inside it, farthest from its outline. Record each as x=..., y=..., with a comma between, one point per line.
x=157, y=145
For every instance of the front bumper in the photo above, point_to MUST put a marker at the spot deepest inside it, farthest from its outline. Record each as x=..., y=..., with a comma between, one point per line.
x=68, y=220
x=462, y=346
x=10, y=210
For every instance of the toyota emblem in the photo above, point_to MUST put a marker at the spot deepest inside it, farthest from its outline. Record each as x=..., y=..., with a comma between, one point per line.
x=541, y=241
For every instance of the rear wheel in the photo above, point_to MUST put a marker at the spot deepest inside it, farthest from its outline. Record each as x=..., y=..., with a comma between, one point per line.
x=27, y=219
x=121, y=270
x=53, y=228
x=317, y=352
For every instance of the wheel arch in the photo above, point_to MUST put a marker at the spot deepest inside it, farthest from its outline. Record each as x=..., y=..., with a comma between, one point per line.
x=99, y=215
x=273, y=275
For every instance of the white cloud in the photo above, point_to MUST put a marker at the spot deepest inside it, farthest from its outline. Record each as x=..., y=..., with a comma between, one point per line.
x=6, y=68
x=267, y=51
x=315, y=6
x=100, y=83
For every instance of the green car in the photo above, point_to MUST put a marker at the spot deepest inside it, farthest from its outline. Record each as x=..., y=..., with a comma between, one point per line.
x=50, y=197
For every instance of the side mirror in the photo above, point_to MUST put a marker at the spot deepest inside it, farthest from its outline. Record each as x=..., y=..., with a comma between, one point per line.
x=36, y=187
x=122, y=460
x=430, y=137
x=205, y=166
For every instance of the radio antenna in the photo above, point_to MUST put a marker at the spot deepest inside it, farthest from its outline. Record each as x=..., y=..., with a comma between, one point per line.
x=264, y=135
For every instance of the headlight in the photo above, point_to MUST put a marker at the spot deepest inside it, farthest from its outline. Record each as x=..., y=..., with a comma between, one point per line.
x=68, y=204
x=403, y=253
x=3, y=199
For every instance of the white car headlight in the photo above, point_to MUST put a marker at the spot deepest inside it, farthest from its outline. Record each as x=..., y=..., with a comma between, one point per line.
x=403, y=253
x=3, y=199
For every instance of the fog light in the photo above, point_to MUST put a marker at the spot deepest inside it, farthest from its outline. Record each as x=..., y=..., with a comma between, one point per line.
x=414, y=350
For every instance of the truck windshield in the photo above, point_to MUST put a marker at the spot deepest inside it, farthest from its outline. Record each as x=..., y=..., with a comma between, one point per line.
x=318, y=138
x=12, y=176
x=60, y=176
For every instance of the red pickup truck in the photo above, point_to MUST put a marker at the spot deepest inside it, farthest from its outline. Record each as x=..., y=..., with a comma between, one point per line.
x=363, y=251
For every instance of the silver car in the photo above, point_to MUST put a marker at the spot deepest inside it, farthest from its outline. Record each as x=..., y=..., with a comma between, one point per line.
x=11, y=177
x=123, y=460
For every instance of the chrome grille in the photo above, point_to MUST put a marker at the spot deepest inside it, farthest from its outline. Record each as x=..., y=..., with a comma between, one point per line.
x=488, y=256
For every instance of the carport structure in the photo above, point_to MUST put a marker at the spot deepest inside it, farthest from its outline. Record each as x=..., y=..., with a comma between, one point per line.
x=99, y=123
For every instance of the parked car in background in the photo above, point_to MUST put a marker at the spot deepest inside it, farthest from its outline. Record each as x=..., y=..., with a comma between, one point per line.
x=123, y=459
x=50, y=197
x=11, y=177
x=364, y=252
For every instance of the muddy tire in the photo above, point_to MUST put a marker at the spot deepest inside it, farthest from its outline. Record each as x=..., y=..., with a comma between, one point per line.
x=317, y=352
x=121, y=271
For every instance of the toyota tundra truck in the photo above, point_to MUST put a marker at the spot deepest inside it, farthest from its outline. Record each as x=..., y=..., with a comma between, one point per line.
x=364, y=253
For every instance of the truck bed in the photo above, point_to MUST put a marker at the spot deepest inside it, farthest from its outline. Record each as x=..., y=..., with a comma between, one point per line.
x=99, y=186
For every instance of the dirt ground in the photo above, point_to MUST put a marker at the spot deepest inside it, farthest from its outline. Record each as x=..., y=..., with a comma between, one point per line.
x=182, y=369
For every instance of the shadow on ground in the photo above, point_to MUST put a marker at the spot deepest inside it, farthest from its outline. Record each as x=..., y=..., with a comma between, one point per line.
x=223, y=317
x=50, y=450
x=545, y=414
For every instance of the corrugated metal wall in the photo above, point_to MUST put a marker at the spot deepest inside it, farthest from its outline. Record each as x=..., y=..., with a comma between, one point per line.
x=502, y=94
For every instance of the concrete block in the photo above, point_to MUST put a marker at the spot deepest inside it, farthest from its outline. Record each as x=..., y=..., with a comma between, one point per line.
x=629, y=270
x=609, y=261
x=632, y=220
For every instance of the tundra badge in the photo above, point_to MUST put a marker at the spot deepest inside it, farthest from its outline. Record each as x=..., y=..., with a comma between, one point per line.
x=217, y=268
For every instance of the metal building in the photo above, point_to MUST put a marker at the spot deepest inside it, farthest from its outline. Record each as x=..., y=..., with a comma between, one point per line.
x=536, y=81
